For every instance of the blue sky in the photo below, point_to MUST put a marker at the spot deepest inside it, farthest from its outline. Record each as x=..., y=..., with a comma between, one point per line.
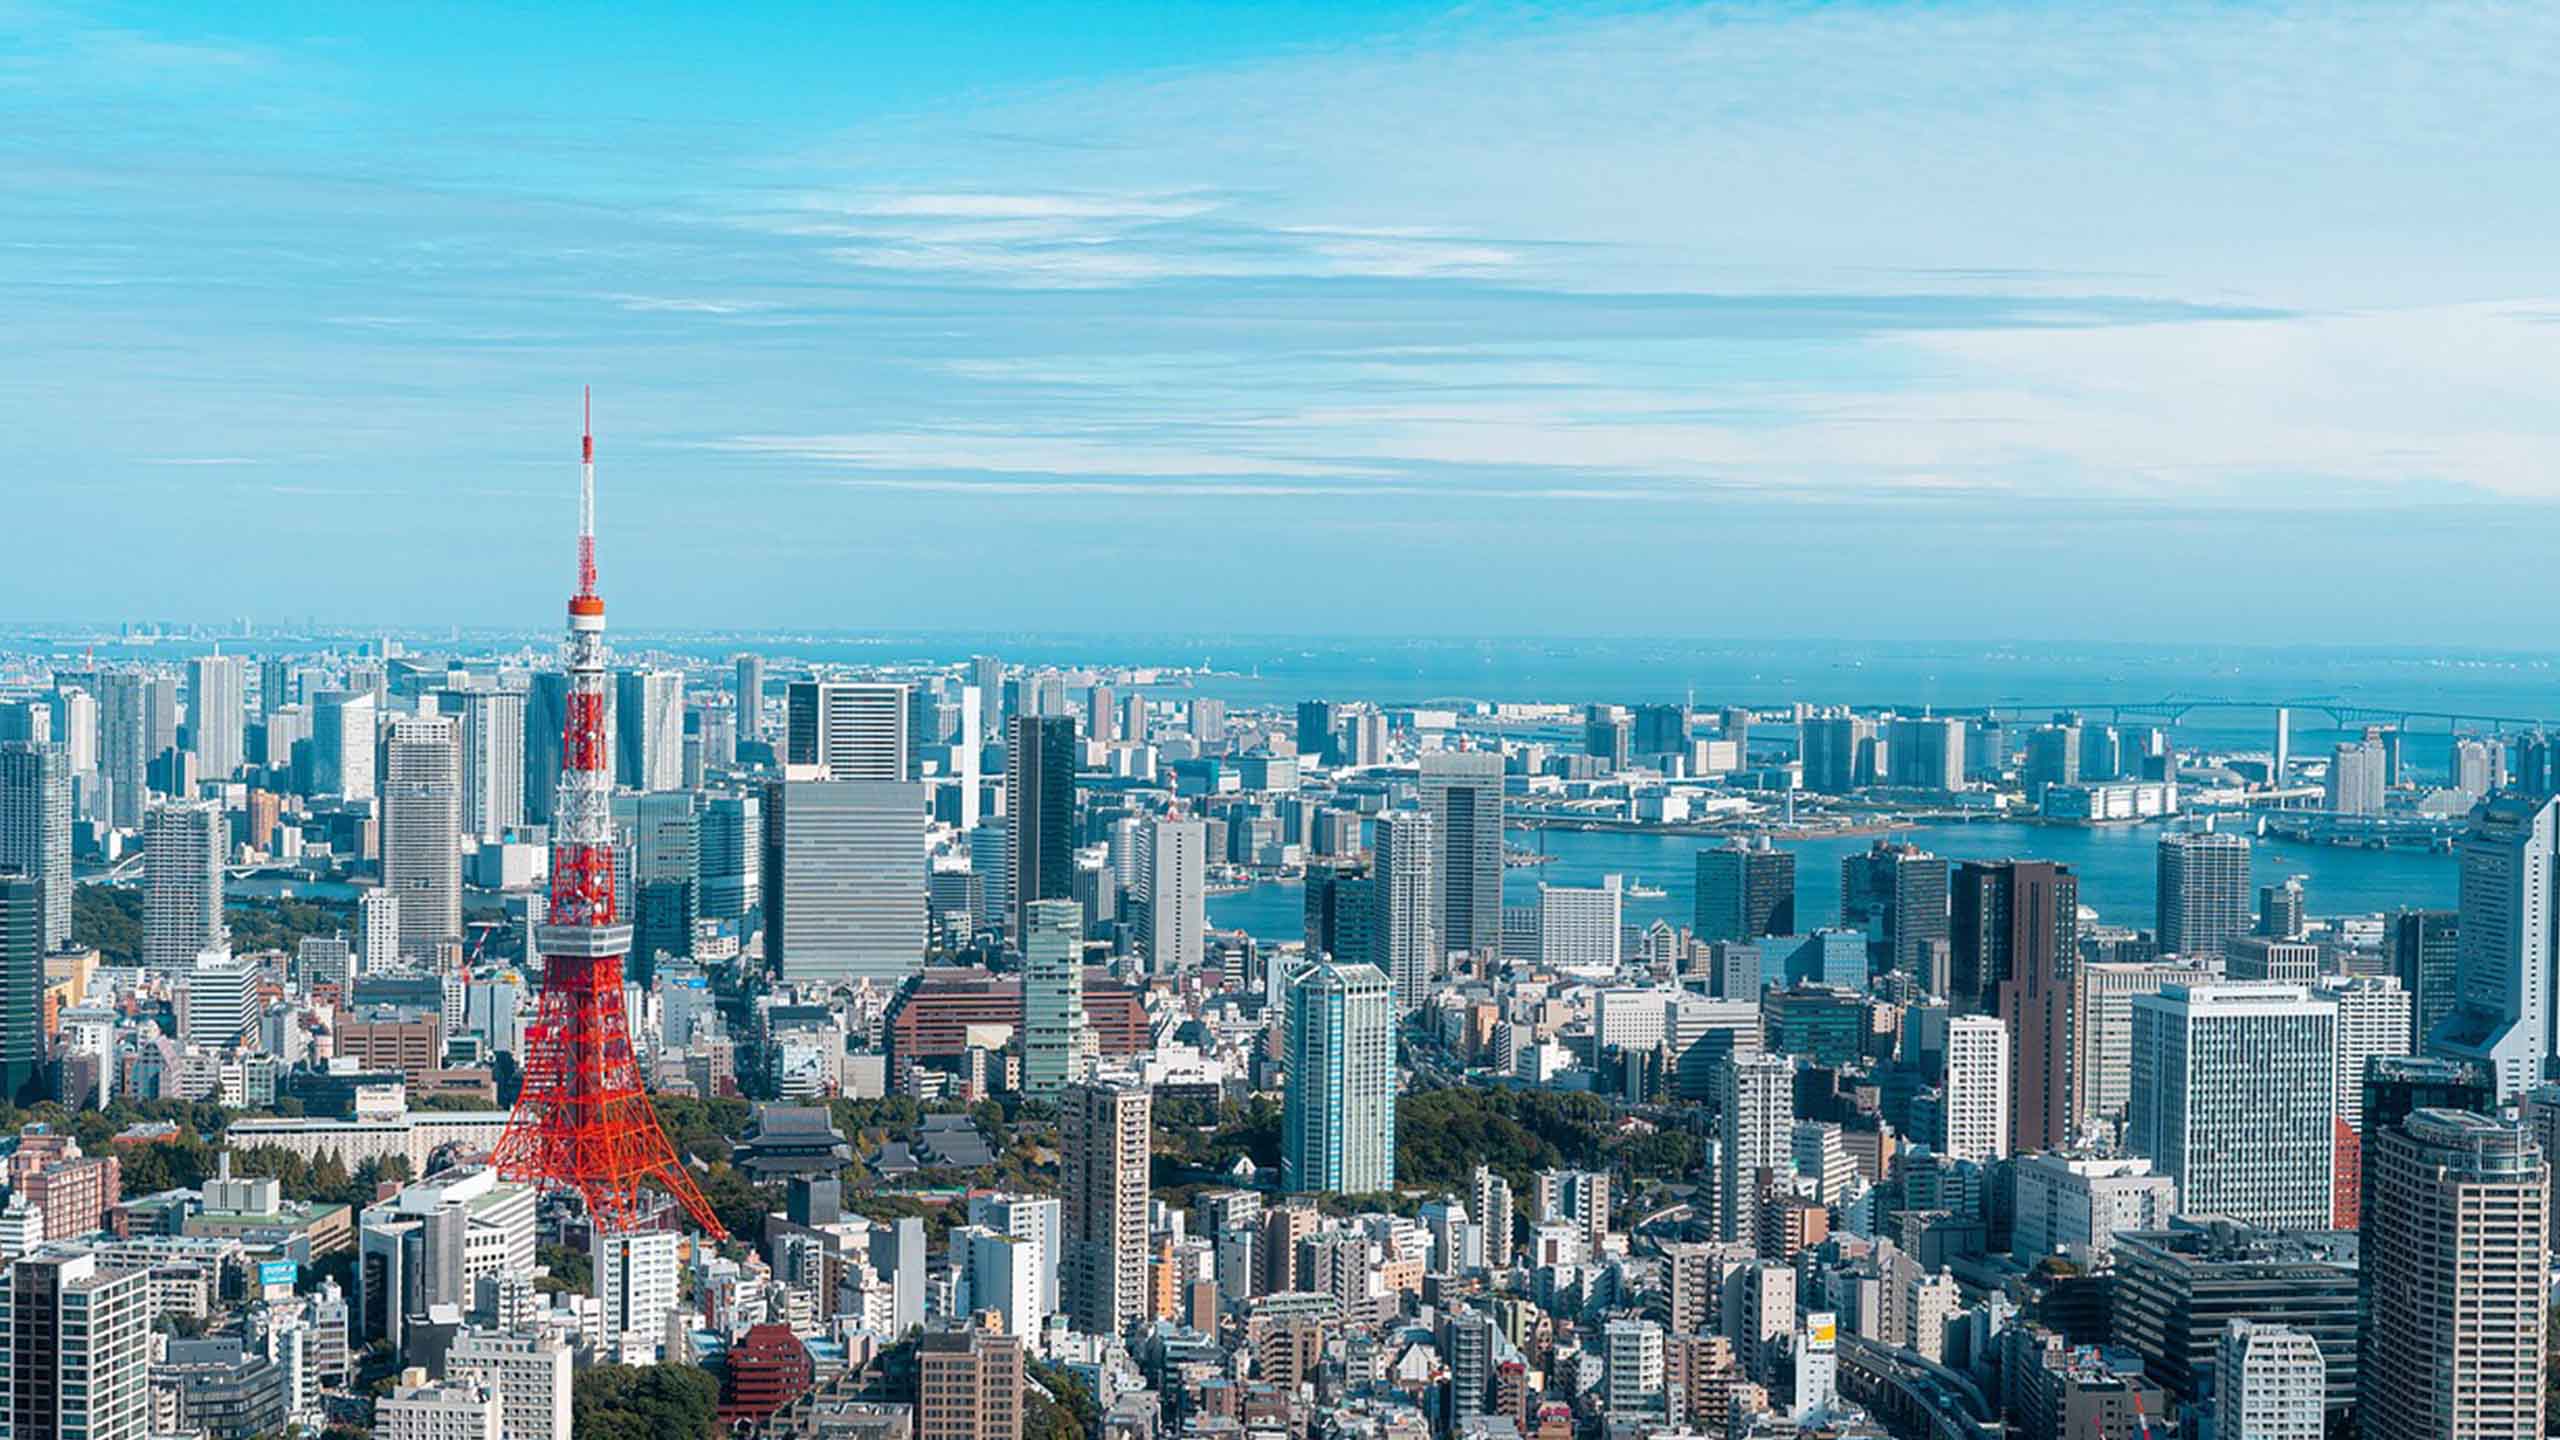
x=1865, y=320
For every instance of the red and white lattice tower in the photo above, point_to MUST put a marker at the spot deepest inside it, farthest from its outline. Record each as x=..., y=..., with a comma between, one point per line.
x=583, y=1122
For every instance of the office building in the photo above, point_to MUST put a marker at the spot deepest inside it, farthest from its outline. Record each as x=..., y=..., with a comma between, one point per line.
x=748, y=688
x=1315, y=733
x=2373, y=1023
x=221, y=1000
x=1462, y=792
x=182, y=852
x=1035, y=1220
x=1976, y=1092
x=217, y=713
x=733, y=856
x=35, y=831
x=493, y=762
x=1398, y=906
x=1053, y=1024
x=420, y=777
x=2203, y=891
x=546, y=719
x=2504, y=956
x=2075, y=1205
x=1582, y=927
x=2283, y=913
x=343, y=744
x=1754, y=1101
x=1745, y=891
x=969, y=1386
x=2015, y=942
x=2178, y=1290
x=1040, y=800
x=1896, y=895
x=1338, y=1121
x=648, y=729
x=77, y=1332
x=22, y=981
x=2102, y=1024
x=1169, y=901
x=1105, y=1143
x=844, y=880
x=2269, y=1384
x=853, y=730
x=2457, y=1236
x=2426, y=958
x=2235, y=1098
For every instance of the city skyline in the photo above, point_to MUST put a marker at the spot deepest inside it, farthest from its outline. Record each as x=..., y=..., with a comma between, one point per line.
x=1798, y=305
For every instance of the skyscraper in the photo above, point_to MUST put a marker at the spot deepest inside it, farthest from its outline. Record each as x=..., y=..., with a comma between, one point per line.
x=2504, y=957
x=124, y=753
x=35, y=831
x=22, y=1038
x=1926, y=753
x=2373, y=1023
x=1052, y=996
x=77, y=1334
x=1171, y=894
x=2456, y=1234
x=546, y=718
x=844, y=879
x=420, y=775
x=1975, y=1097
x=749, y=689
x=182, y=850
x=855, y=730
x=1754, y=1101
x=732, y=856
x=2203, y=891
x=1999, y=910
x=216, y=713
x=1745, y=891
x=493, y=762
x=1839, y=753
x=1040, y=800
x=648, y=729
x=1314, y=734
x=2426, y=956
x=1462, y=792
x=2359, y=776
x=2235, y=1098
x=2021, y=921
x=1897, y=894
x=342, y=745
x=1338, y=1120
x=1403, y=911
x=1105, y=1133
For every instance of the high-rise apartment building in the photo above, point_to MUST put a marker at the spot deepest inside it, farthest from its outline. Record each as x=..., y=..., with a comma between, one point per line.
x=76, y=1332
x=528, y=1373
x=1896, y=893
x=1745, y=891
x=2235, y=1097
x=2359, y=777
x=648, y=729
x=1839, y=753
x=2457, y=1236
x=1926, y=753
x=1053, y=1024
x=1040, y=801
x=1754, y=1101
x=635, y=1282
x=2504, y=958
x=2016, y=929
x=217, y=713
x=1975, y=1097
x=420, y=776
x=1338, y=1121
x=1170, y=899
x=35, y=830
x=748, y=689
x=1462, y=792
x=182, y=852
x=1105, y=1141
x=844, y=879
x=854, y=730
x=2203, y=891
x=124, y=745
x=1402, y=912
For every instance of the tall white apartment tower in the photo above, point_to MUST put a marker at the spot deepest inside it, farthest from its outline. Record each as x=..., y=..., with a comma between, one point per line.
x=1171, y=894
x=420, y=778
x=182, y=850
x=1976, y=1094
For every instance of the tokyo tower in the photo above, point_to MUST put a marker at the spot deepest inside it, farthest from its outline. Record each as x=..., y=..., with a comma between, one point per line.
x=582, y=1121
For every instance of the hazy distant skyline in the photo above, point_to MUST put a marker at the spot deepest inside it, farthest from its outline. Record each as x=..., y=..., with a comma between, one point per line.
x=1888, y=320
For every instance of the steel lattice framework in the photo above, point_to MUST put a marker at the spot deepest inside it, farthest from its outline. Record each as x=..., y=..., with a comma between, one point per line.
x=583, y=1122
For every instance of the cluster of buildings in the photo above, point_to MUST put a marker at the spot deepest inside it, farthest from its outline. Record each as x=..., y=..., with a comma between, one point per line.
x=1960, y=1160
